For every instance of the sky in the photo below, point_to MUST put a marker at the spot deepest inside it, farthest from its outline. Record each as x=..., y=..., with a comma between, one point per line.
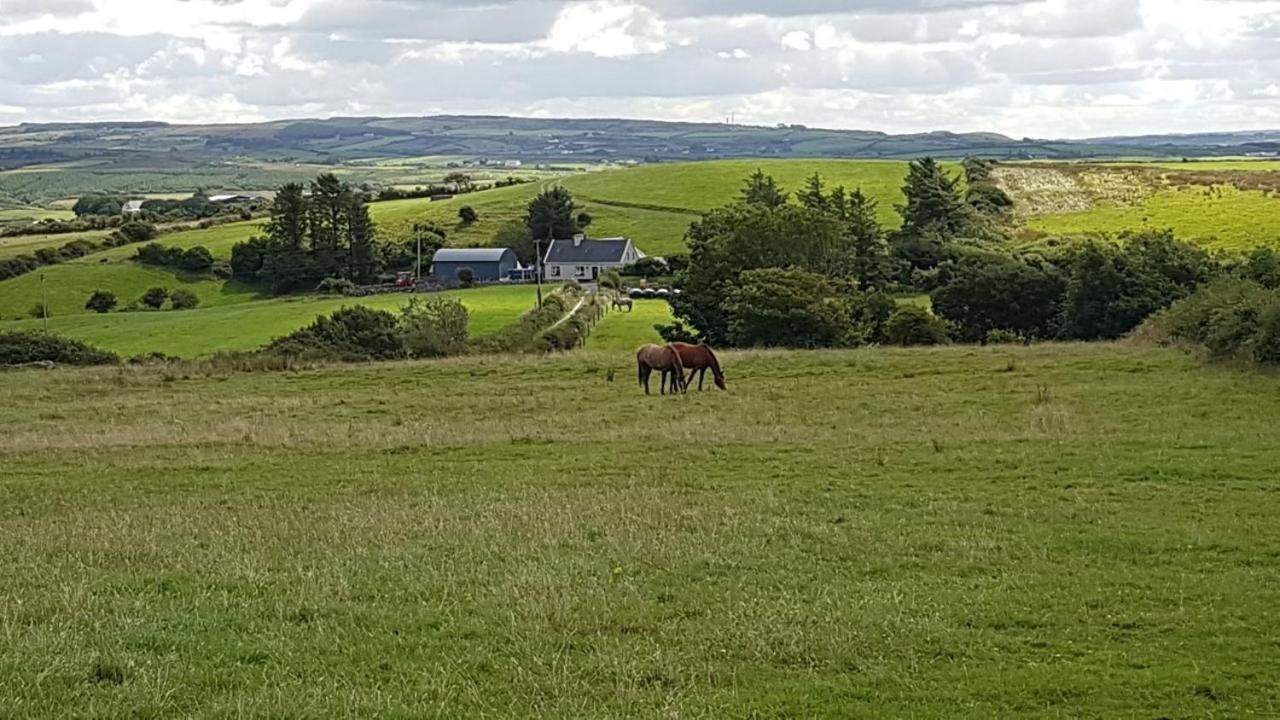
x=1025, y=68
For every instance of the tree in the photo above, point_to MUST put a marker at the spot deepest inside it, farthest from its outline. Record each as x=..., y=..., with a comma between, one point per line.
x=550, y=215
x=933, y=201
x=1007, y=295
x=584, y=220
x=738, y=238
x=870, y=252
x=467, y=215
x=288, y=224
x=912, y=325
x=814, y=194
x=155, y=297
x=786, y=308
x=101, y=301
x=362, y=263
x=459, y=181
x=329, y=207
x=515, y=235
x=136, y=231
x=983, y=193
x=184, y=299
x=761, y=189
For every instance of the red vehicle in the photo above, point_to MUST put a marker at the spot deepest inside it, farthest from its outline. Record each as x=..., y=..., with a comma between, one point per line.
x=405, y=279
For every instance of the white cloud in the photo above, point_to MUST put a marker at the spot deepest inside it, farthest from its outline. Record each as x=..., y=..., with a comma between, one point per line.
x=1023, y=67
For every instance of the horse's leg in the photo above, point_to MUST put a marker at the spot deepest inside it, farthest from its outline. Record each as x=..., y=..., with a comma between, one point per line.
x=702, y=378
x=644, y=371
x=664, y=381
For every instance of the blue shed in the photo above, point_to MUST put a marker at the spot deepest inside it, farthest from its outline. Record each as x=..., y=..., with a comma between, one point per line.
x=487, y=264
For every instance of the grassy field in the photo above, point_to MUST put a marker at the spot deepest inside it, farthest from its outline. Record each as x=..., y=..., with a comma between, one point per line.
x=1217, y=218
x=626, y=331
x=1046, y=532
x=240, y=324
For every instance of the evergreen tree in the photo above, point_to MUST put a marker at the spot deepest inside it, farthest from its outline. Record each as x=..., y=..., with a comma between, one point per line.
x=762, y=190
x=330, y=199
x=870, y=251
x=839, y=203
x=551, y=215
x=814, y=196
x=933, y=201
x=363, y=258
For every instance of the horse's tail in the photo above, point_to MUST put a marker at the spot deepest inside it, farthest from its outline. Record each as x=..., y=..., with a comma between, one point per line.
x=678, y=365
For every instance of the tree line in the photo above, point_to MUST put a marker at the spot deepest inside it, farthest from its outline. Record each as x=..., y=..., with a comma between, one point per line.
x=819, y=270
x=321, y=231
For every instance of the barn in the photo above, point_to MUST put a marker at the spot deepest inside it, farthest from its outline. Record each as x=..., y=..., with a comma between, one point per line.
x=487, y=264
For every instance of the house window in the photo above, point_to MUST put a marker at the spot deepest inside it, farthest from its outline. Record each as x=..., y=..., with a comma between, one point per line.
x=555, y=271
x=580, y=271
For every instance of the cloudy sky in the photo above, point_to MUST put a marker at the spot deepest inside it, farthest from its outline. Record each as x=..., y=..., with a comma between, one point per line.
x=1043, y=68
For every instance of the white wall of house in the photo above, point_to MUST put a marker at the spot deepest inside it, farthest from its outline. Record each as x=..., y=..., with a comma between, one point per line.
x=588, y=273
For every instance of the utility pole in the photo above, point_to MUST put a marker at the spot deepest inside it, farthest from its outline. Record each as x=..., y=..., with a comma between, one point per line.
x=44, y=304
x=417, y=232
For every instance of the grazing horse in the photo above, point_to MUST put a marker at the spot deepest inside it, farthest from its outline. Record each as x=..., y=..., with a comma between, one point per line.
x=627, y=303
x=699, y=359
x=664, y=358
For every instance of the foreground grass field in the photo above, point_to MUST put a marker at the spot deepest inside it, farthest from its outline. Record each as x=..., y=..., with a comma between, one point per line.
x=1056, y=531
x=249, y=325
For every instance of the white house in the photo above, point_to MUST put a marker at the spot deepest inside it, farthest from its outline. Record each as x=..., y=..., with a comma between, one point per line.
x=583, y=260
x=133, y=207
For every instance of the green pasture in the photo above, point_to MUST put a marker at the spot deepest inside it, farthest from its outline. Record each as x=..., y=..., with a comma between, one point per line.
x=1035, y=532
x=1219, y=217
x=622, y=331
x=241, y=323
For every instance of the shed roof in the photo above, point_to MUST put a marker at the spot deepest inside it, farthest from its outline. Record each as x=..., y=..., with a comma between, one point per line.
x=475, y=255
x=608, y=250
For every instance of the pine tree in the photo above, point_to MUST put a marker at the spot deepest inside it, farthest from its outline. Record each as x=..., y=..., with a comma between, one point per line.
x=933, y=202
x=761, y=189
x=329, y=201
x=869, y=247
x=839, y=203
x=363, y=258
x=288, y=224
x=814, y=196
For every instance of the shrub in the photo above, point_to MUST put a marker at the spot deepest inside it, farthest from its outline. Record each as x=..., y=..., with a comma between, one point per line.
x=466, y=276
x=468, y=215
x=870, y=312
x=135, y=232
x=611, y=279
x=184, y=299
x=101, y=301
x=335, y=286
x=154, y=298
x=349, y=334
x=39, y=310
x=786, y=308
x=196, y=259
x=1231, y=318
x=435, y=327
x=1003, y=337
x=17, y=348
x=912, y=325
x=647, y=267
x=676, y=332
x=982, y=297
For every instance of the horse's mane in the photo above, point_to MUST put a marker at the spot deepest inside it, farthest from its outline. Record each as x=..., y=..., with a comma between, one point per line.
x=715, y=363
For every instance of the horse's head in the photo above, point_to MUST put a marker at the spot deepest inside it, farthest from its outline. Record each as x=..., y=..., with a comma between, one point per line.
x=720, y=381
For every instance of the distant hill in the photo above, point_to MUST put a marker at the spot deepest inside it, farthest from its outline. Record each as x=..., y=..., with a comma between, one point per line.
x=344, y=140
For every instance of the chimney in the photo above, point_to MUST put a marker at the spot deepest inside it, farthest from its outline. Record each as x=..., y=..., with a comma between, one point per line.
x=577, y=239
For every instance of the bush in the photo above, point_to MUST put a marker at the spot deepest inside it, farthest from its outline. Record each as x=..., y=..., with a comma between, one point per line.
x=611, y=279
x=101, y=301
x=39, y=310
x=135, y=232
x=787, y=308
x=435, y=327
x=184, y=299
x=1003, y=337
x=912, y=325
x=468, y=215
x=196, y=259
x=336, y=286
x=350, y=334
x=676, y=332
x=983, y=296
x=466, y=276
x=647, y=267
x=871, y=312
x=154, y=298
x=1231, y=318
x=18, y=348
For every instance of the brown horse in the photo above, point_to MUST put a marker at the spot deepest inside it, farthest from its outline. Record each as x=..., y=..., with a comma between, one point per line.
x=666, y=359
x=699, y=359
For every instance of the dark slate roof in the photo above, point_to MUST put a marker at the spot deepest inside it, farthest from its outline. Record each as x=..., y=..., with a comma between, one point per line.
x=466, y=255
x=609, y=250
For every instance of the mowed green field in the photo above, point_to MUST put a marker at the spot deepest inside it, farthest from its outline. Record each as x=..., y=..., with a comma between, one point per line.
x=244, y=325
x=1219, y=218
x=1045, y=532
x=626, y=331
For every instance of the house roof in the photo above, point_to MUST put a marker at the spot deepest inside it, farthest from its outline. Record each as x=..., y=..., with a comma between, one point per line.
x=133, y=206
x=588, y=252
x=474, y=255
